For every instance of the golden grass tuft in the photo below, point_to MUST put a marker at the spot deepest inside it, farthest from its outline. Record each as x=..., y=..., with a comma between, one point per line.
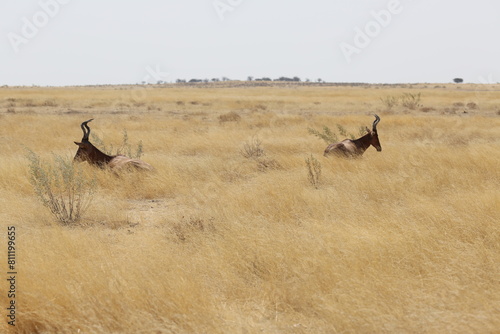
x=405, y=240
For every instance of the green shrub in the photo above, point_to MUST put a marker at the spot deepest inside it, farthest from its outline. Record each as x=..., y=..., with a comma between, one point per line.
x=61, y=187
x=327, y=135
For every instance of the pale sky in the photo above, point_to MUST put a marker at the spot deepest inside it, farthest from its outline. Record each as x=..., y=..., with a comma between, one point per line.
x=84, y=42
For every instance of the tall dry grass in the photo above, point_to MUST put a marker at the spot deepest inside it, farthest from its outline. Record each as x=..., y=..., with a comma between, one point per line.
x=405, y=240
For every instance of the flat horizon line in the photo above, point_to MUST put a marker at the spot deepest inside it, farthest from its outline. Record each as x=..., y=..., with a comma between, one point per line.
x=246, y=83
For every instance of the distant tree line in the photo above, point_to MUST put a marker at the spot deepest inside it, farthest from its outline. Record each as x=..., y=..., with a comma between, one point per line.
x=249, y=78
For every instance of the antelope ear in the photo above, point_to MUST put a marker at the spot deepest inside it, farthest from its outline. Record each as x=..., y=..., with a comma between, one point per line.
x=79, y=144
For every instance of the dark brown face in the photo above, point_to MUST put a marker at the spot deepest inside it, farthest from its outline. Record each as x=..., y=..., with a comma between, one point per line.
x=83, y=153
x=375, y=141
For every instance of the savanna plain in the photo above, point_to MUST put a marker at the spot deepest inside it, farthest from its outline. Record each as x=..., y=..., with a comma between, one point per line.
x=235, y=233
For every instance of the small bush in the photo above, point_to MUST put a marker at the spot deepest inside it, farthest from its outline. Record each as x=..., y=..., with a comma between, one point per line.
x=390, y=101
x=343, y=132
x=427, y=109
x=187, y=228
x=268, y=164
x=229, y=117
x=407, y=100
x=410, y=101
x=252, y=148
x=313, y=171
x=472, y=105
x=61, y=187
x=327, y=135
x=126, y=149
x=49, y=103
x=29, y=103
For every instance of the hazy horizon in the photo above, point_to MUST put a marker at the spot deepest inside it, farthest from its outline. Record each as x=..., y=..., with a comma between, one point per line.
x=71, y=42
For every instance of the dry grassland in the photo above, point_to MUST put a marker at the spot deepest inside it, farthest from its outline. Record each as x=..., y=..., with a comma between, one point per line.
x=402, y=241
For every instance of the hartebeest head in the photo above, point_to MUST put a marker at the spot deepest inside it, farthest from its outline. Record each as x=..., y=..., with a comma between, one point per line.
x=356, y=147
x=374, y=135
x=83, y=149
x=88, y=152
x=91, y=154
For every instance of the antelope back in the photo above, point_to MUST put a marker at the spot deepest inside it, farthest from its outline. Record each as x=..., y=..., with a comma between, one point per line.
x=121, y=162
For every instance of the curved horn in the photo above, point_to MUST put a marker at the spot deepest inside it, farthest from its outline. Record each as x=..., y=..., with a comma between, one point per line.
x=375, y=122
x=85, y=126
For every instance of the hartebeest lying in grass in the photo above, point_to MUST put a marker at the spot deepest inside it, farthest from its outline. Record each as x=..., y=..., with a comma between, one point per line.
x=355, y=148
x=91, y=154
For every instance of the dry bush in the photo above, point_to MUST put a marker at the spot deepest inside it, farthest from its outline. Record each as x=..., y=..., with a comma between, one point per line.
x=410, y=100
x=407, y=100
x=252, y=148
x=268, y=164
x=188, y=227
x=49, y=103
x=231, y=116
x=313, y=171
x=427, y=109
x=472, y=105
x=390, y=101
x=28, y=103
x=451, y=110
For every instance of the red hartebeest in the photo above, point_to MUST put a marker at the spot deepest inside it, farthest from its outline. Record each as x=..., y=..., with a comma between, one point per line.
x=356, y=148
x=91, y=154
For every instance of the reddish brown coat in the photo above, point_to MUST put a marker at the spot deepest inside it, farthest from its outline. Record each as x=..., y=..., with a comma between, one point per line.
x=355, y=148
x=91, y=154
